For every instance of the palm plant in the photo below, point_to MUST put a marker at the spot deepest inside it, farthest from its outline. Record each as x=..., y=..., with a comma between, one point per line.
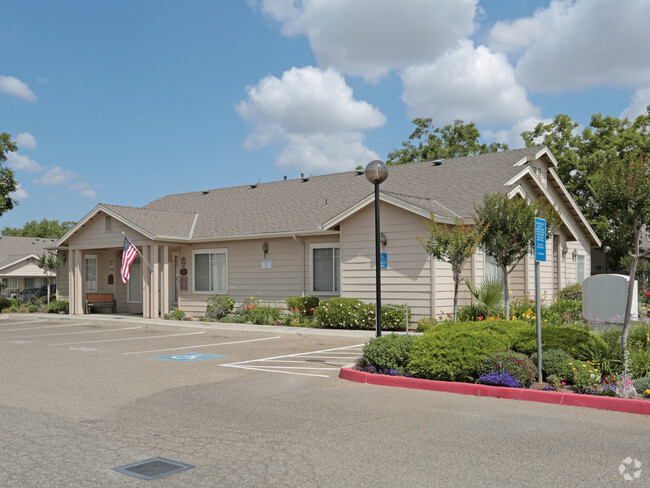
x=489, y=295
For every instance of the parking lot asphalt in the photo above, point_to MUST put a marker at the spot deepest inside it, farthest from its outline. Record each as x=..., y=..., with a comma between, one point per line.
x=263, y=406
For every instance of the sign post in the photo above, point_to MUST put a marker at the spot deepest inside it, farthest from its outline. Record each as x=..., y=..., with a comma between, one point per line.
x=540, y=255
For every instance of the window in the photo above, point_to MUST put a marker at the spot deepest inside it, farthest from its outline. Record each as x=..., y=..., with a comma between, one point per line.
x=492, y=270
x=325, y=265
x=11, y=283
x=91, y=273
x=134, y=285
x=211, y=271
x=580, y=268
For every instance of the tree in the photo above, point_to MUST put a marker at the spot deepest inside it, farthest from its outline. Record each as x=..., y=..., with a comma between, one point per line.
x=510, y=231
x=451, y=141
x=622, y=186
x=452, y=245
x=8, y=183
x=45, y=229
x=579, y=156
x=48, y=264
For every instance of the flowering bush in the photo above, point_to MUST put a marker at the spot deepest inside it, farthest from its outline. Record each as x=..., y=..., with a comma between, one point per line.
x=388, y=353
x=555, y=362
x=350, y=313
x=585, y=376
x=305, y=306
x=499, y=378
x=219, y=306
x=517, y=365
x=176, y=314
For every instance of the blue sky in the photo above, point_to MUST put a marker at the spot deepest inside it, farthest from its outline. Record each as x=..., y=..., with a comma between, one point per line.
x=123, y=102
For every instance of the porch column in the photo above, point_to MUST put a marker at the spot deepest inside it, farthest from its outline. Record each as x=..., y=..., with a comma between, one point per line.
x=164, y=288
x=79, y=284
x=146, y=284
x=155, y=281
x=72, y=296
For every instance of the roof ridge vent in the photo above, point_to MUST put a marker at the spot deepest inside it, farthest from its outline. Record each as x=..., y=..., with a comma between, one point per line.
x=359, y=172
x=437, y=162
x=254, y=185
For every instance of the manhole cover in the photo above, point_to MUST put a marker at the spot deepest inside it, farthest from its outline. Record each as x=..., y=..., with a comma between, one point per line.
x=155, y=468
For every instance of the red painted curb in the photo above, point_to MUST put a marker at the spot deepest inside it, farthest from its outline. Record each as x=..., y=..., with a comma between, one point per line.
x=558, y=398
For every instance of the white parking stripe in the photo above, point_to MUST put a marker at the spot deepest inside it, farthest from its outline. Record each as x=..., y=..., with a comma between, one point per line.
x=26, y=322
x=46, y=327
x=82, y=332
x=124, y=339
x=201, y=345
x=282, y=369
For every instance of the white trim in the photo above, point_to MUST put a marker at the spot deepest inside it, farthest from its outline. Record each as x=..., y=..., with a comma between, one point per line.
x=518, y=190
x=575, y=206
x=208, y=251
x=323, y=245
x=545, y=151
x=519, y=176
x=19, y=260
x=521, y=162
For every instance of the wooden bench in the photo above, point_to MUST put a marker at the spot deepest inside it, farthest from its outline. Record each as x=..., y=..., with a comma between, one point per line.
x=98, y=300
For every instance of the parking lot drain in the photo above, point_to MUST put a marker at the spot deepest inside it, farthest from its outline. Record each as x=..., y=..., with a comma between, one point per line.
x=154, y=468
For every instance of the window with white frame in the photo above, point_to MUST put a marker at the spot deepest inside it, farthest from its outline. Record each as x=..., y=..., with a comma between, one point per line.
x=91, y=273
x=211, y=271
x=11, y=283
x=325, y=269
x=134, y=285
x=580, y=268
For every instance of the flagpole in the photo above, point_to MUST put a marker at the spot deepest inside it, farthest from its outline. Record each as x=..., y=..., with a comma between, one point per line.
x=136, y=248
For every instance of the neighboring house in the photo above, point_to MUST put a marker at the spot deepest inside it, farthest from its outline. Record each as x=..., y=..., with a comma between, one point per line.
x=19, y=258
x=315, y=236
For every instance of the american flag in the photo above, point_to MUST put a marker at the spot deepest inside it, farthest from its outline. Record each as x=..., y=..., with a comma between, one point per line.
x=129, y=254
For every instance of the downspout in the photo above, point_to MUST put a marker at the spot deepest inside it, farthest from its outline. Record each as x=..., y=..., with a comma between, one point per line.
x=302, y=266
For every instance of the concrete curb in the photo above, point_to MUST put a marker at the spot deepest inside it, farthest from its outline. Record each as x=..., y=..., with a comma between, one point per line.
x=641, y=407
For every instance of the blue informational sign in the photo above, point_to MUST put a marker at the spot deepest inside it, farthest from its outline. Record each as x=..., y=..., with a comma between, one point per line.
x=540, y=239
x=190, y=356
x=383, y=260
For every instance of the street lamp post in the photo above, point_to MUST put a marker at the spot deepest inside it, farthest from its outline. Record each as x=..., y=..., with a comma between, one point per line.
x=376, y=173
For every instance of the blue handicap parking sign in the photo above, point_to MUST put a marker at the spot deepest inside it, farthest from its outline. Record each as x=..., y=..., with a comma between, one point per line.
x=190, y=356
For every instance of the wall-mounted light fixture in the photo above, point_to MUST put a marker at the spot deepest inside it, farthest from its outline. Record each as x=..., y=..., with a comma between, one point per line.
x=64, y=258
x=565, y=250
x=382, y=239
x=265, y=248
x=574, y=254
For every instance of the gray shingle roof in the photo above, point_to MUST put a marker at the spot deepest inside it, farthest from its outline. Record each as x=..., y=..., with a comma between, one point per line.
x=304, y=205
x=14, y=249
x=450, y=189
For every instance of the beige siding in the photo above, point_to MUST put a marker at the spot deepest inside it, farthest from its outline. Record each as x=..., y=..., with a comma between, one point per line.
x=407, y=278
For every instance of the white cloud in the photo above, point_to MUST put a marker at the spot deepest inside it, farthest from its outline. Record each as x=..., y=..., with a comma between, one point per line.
x=638, y=105
x=466, y=83
x=328, y=153
x=19, y=194
x=15, y=87
x=26, y=141
x=368, y=38
x=57, y=176
x=18, y=162
x=512, y=136
x=580, y=44
x=313, y=112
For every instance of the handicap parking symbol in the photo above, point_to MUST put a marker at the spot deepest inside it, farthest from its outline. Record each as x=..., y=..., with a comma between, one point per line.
x=190, y=357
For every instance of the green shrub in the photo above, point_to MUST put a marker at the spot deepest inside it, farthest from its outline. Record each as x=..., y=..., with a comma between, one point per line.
x=488, y=295
x=392, y=319
x=555, y=362
x=7, y=302
x=425, y=324
x=517, y=365
x=641, y=384
x=390, y=352
x=453, y=354
x=263, y=314
x=568, y=338
x=608, y=357
x=303, y=305
x=573, y=292
x=175, y=315
x=345, y=313
x=639, y=363
x=586, y=376
x=58, y=306
x=219, y=306
x=611, y=337
x=639, y=337
x=470, y=313
x=31, y=307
